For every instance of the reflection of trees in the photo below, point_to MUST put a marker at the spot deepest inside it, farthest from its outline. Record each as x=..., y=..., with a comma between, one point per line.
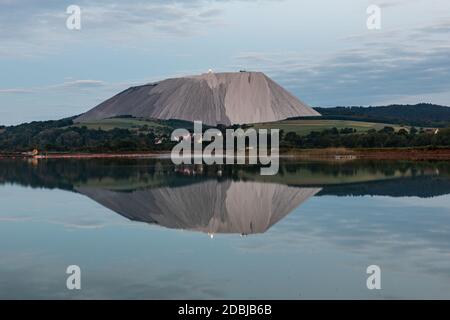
x=419, y=186
x=419, y=178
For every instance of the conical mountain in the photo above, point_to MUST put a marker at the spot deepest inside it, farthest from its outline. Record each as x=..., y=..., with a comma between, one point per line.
x=213, y=98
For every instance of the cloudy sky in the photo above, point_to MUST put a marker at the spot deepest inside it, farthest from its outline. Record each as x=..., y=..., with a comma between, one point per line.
x=321, y=51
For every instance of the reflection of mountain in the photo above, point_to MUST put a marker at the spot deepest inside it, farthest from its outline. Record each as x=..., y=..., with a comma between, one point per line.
x=223, y=199
x=209, y=206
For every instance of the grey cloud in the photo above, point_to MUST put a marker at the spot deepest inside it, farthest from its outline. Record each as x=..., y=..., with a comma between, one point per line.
x=82, y=84
x=377, y=69
x=33, y=27
x=439, y=28
x=210, y=13
x=391, y=3
x=396, y=3
x=67, y=85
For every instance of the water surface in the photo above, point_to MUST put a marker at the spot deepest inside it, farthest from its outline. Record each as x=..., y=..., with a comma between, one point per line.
x=145, y=229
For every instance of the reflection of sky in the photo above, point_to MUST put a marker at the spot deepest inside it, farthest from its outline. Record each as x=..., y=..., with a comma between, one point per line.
x=320, y=250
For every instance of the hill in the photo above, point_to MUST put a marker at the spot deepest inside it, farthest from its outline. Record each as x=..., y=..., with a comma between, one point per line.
x=421, y=115
x=213, y=98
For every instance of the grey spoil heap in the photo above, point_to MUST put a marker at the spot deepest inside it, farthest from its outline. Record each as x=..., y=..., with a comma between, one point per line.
x=213, y=98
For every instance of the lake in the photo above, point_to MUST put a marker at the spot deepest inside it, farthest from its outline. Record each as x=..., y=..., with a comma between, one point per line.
x=146, y=229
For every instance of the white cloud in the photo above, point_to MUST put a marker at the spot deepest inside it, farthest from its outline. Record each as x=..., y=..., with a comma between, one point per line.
x=15, y=91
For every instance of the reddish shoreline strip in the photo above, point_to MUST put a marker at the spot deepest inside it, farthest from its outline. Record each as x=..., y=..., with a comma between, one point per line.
x=85, y=155
x=327, y=154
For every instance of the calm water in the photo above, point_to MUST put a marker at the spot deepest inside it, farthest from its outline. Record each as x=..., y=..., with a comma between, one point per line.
x=143, y=229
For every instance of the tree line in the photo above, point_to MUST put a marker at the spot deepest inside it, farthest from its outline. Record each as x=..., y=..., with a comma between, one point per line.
x=61, y=136
x=419, y=115
x=384, y=138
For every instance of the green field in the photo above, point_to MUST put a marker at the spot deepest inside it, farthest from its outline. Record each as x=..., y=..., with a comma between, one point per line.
x=301, y=127
x=304, y=127
x=137, y=124
x=120, y=123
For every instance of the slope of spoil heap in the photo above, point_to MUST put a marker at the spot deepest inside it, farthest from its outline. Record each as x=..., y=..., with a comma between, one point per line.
x=213, y=98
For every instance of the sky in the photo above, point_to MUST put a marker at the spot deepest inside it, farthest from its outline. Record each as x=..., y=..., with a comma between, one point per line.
x=321, y=51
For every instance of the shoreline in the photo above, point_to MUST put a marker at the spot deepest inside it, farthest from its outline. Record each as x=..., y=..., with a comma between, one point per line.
x=338, y=154
x=372, y=154
x=134, y=155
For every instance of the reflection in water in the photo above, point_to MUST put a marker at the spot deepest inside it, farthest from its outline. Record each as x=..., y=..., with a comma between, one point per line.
x=209, y=206
x=223, y=199
x=328, y=222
